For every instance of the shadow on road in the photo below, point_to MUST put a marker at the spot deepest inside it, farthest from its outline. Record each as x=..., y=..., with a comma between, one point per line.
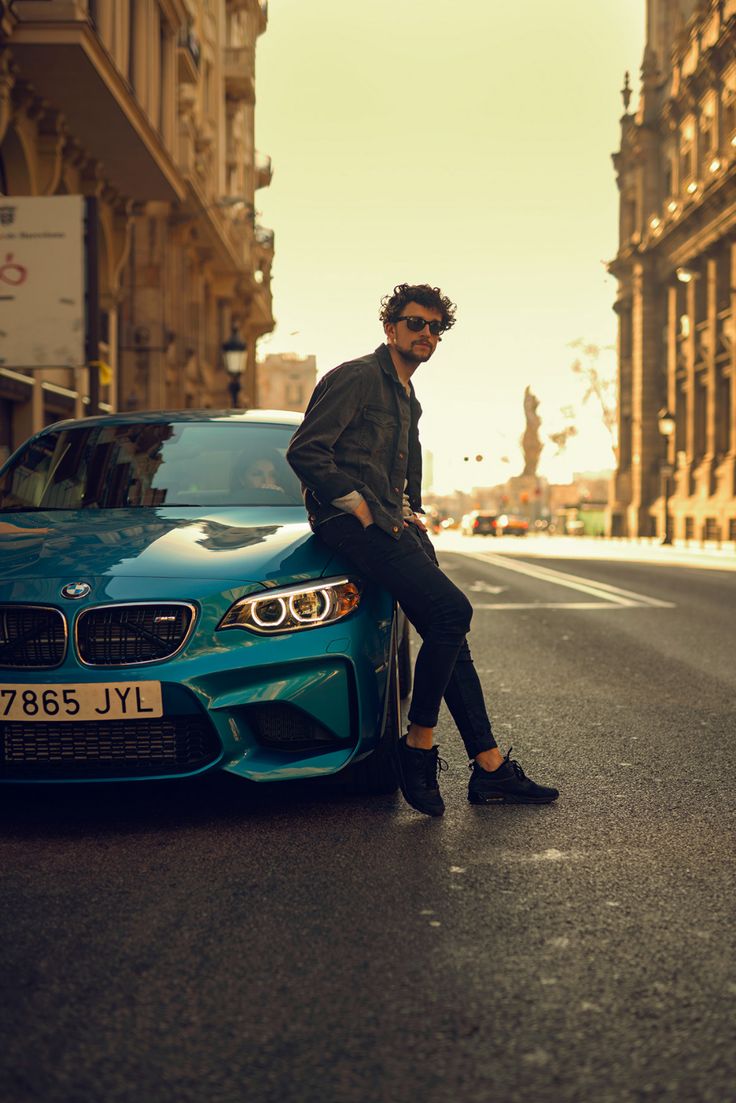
x=37, y=811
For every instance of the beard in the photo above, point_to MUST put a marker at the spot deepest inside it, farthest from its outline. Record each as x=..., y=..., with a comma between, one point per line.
x=416, y=352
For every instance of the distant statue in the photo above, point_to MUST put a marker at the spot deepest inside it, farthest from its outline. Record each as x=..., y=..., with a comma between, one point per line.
x=530, y=442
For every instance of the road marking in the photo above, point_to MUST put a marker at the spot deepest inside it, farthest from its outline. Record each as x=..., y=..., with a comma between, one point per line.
x=586, y=606
x=613, y=596
x=486, y=588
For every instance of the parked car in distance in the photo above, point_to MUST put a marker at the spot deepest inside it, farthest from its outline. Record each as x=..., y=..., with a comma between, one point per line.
x=479, y=523
x=511, y=526
x=165, y=611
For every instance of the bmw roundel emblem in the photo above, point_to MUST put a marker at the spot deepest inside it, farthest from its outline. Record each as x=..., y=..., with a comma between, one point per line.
x=75, y=589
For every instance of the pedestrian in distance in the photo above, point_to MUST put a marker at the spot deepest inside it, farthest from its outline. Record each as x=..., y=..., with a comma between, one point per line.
x=358, y=456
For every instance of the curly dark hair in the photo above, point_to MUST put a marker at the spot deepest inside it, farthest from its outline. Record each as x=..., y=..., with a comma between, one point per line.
x=392, y=306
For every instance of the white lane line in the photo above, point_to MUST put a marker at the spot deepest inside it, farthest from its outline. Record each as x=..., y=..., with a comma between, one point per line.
x=585, y=605
x=613, y=594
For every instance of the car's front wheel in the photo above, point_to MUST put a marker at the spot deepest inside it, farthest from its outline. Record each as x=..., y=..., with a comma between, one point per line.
x=376, y=774
x=405, y=665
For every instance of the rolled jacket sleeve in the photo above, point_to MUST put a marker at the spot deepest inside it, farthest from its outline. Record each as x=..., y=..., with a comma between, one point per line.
x=349, y=502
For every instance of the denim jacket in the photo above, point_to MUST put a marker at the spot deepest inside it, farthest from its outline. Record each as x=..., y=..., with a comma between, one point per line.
x=360, y=432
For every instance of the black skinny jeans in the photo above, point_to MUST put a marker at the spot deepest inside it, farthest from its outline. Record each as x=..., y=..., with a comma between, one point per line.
x=439, y=611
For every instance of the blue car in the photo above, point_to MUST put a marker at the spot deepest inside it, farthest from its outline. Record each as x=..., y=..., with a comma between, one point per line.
x=165, y=611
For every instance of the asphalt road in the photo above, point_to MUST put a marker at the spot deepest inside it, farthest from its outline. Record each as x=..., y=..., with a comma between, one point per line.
x=221, y=942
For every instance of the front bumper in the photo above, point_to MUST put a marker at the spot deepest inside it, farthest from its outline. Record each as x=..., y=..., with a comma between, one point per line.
x=266, y=709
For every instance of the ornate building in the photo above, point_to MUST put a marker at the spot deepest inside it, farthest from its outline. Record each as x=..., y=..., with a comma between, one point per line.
x=286, y=381
x=148, y=107
x=676, y=271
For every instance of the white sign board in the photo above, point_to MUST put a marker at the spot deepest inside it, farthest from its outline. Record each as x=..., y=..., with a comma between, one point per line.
x=42, y=281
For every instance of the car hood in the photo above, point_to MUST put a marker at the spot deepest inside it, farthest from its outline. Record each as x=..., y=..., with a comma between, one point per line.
x=230, y=545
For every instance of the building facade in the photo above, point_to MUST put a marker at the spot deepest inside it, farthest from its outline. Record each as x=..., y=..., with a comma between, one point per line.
x=676, y=272
x=146, y=106
x=286, y=381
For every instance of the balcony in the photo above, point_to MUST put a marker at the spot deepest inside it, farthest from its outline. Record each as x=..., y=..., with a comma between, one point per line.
x=188, y=55
x=259, y=6
x=264, y=238
x=239, y=75
x=63, y=57
x=263, y=171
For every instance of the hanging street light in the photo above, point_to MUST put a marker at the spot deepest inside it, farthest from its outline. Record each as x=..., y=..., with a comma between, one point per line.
x=233, y=354
x=666, y=423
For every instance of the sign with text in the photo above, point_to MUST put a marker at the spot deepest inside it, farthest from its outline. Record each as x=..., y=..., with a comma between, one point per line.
x=42, y=281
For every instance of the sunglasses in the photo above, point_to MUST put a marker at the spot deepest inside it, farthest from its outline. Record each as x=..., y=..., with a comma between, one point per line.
x=417, y=324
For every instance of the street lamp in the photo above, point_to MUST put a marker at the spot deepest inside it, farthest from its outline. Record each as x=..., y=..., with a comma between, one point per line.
x=233, y=354
x=686, y=275
x=666, y=422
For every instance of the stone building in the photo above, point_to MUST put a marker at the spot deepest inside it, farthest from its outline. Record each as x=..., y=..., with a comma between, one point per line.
x=286, y=381
x=147, y=106
x=676, y=272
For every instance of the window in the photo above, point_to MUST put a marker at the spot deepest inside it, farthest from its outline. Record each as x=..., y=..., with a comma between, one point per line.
x=294, y=393
x=625, y=332
x=723, y=411
x=208, y=102
x=728, y=108
x=723, y=278
x=711, y=529
x=681, y=409
x=687, y=152
x=708, y=132
x=701, y=415
x=668, y=177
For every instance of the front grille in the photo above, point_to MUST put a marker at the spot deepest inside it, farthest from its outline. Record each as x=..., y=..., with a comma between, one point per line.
x=118, y=635
x=284, y=728
x=171, y=745
x=31, y=637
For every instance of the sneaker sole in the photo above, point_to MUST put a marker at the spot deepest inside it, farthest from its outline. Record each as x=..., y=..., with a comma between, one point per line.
x=402, y=785
x=500, y=798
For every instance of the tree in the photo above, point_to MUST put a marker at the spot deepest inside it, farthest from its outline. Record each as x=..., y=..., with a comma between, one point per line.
x=599, y=387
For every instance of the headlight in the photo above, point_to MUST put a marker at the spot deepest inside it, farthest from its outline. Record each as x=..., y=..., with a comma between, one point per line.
x=294, y=607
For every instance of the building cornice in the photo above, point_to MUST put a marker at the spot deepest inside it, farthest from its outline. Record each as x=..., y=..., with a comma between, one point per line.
x=699, y=224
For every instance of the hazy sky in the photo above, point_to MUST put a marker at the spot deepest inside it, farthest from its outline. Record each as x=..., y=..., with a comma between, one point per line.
x=467, y=144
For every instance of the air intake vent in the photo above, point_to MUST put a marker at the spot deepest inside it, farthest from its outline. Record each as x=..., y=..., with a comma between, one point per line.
x=284, y=728
x=173, y=745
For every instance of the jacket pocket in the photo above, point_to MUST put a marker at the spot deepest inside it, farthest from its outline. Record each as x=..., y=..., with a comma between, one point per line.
x=378, y=416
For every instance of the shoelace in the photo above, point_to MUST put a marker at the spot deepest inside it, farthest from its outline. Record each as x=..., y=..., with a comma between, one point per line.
x=434, y=766
x=514, y=764
x=508, y=761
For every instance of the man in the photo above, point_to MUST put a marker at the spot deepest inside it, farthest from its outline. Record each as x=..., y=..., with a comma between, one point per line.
x=358, y=456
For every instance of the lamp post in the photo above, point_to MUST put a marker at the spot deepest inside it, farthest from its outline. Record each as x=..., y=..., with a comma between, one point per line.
x=666, y=422
x=233, y=354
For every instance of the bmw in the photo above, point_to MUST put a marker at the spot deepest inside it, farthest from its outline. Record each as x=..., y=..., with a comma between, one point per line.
x=165, y=611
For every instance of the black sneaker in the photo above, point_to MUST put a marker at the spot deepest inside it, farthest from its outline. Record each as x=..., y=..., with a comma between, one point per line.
x=507, y=785
x=418, y=772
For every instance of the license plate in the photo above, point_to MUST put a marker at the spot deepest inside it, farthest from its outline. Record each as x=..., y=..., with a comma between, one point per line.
x=90, y=701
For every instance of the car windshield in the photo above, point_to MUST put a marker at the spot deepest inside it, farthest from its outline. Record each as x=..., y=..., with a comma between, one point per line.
x=152, y=464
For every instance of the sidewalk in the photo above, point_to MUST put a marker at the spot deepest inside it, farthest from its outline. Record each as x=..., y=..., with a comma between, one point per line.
x=644, y=550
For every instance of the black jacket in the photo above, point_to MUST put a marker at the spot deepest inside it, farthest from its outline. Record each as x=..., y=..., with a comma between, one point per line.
x=360, y=432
